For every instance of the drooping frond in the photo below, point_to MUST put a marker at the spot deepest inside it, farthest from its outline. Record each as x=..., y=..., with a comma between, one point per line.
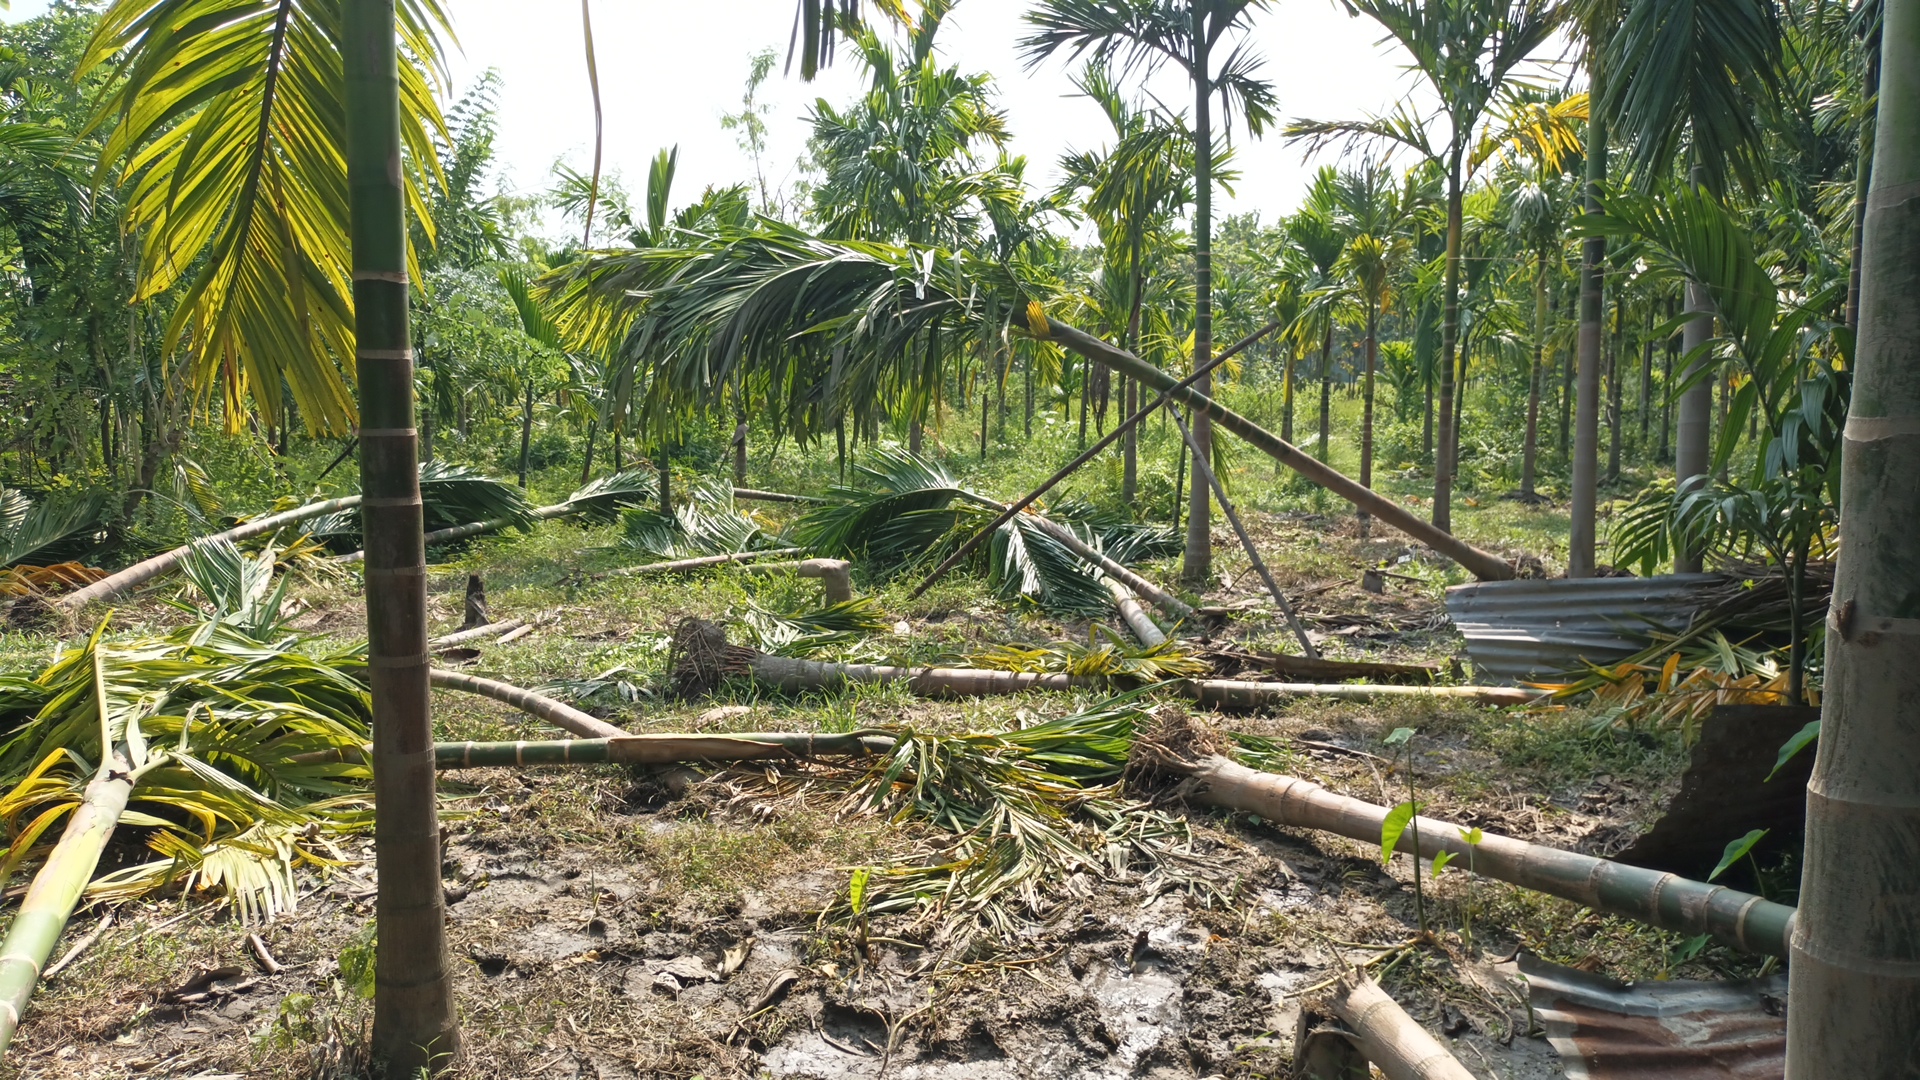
x=227, y=123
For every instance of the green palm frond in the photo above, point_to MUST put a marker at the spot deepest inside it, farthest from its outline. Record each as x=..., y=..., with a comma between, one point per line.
x=709, y=523
x=452, y=494
x=226, y=123
x=1115, y=657
x=52, y=530
x=1698, y=75
x=811, y=632
x=898, y=507
x=239, y=587
x=602, y=499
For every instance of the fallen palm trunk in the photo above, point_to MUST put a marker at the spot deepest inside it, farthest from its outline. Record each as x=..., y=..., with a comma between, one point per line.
x=1233, y=694
x=1665, y=900
x=476, y=528
x=1300, y=667
x=835, y=575
x=681, y=566
x=554, y=712
x=1175, y=608
x=790, y=674
x=1390, y=1038
x=753, y=495
x=147, y=570
x=489, y=630
x=1205, y=469
x=1483, y=565
x=1136, y=616
x=658, y=749
x=57, y=887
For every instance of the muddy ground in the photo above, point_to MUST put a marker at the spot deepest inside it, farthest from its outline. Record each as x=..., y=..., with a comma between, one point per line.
x=608, y=923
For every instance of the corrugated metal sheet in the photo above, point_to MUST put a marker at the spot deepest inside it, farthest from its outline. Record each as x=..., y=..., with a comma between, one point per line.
x=1539, y=627
x=1607, y=1030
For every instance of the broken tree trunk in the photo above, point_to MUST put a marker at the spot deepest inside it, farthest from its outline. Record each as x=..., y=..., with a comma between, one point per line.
x=835, y=575
x=1138, y=620
x=659, y=749
x=1389, y=1037
x=1665, y=900
x=57, y=887
x=1483, y=565
x=775, y=496
x=489, y=630
x=1234, y=694
x=1086, y=455
x=554, y=712
x=141, y=572
x=681, y=566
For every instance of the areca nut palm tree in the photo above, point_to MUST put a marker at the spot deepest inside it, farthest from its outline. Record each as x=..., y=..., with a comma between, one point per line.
x=1143, y=35
x=1313, y=234
x=1372, y=210
x=1467, y=51
x=414, y=1022
x=1855, y=973
x=1131, y=190
x=900, y=165
x=1695, y=80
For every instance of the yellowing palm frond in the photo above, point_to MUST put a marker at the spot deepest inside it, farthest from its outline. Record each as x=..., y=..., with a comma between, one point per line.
x=228, y=126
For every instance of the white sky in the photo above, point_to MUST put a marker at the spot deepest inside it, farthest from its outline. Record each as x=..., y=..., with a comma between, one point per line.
x=669, y=71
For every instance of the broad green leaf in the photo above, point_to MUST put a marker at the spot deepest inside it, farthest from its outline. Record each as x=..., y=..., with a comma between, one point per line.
x=1440, y=862
x=1794, y=745
x=1473, y=836
x=1396, y=823
x=857, y=891
x=1399, y=736
x=1736, y=850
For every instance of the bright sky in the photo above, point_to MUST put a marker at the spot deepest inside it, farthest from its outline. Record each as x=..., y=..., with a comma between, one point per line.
x=668, y=71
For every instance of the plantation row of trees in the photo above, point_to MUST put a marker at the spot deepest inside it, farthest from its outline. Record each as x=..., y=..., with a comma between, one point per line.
x=1637, y=224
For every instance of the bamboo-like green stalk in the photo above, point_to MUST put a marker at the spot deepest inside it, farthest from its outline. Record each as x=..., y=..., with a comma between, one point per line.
x=414, y=1021
x=554, y=712
x=659, y=749
x=1665, y=900
x=146, y=570
x=1855, y=969
x=1483, y=565
x=57, y=887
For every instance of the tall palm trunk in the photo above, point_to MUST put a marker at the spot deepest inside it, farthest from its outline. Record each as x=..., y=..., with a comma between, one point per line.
x=1586, y=431
x=1196, y=565
x=1366, y=409
x=1615, y=360
x=1856, y=951
x=1694, y=430
x=1130, y=442
x=1449, y=347
x=1530, y=455
x=1286, y=396
x=413, y=1013
x=1326, y=386
x=526, y=433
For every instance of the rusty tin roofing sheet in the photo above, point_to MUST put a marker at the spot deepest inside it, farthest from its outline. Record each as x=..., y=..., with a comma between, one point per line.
x=1608, y=1030
x=1544, y=626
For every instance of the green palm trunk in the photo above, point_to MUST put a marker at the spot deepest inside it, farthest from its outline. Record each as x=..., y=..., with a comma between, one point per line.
x=50, y=900
x=413, y=1024
x=1856, y=950
x=1196, y=567
x=1449, y=350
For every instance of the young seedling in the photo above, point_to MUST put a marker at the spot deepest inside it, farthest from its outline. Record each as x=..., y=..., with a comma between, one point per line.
x=1403, y=818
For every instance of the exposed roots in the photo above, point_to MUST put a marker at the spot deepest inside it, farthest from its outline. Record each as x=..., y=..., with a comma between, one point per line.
x=701, y=657
x=1167, y=750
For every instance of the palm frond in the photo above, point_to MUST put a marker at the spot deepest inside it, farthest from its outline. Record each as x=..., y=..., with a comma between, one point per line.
x=56, y=529
x=707, y=524
x=602, y=499
x=226, y=123
x=811, y=632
